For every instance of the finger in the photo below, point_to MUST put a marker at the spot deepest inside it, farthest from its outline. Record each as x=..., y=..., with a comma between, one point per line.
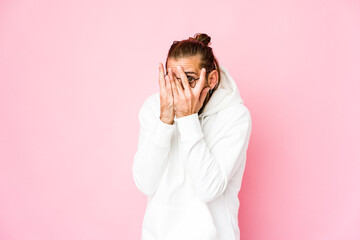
x=203, y=95
x=172, y=83
x=178, y=85
x=200, y=85
x=161, y=77
x=168, y=86
x=184, y=79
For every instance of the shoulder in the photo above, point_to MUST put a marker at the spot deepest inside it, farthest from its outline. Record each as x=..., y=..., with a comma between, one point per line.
x=150, y=107
x=235, y=119
x=151, y=102
x=236, y=112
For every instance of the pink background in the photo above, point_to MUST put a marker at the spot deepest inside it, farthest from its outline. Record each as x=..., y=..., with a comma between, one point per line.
x=74, y=75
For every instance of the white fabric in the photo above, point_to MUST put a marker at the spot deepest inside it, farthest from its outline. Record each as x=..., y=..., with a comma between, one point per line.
x=191, y=171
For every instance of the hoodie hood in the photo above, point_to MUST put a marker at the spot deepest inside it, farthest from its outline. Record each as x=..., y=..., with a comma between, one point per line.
x=226, y=95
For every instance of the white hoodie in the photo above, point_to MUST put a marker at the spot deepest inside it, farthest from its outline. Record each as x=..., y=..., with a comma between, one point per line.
x=191, y=171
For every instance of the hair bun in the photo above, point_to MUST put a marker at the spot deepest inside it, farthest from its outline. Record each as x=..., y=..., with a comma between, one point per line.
x=203, y=37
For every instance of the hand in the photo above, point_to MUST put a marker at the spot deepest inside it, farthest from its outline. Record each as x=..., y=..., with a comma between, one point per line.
x=167, y=112
x=187, y=100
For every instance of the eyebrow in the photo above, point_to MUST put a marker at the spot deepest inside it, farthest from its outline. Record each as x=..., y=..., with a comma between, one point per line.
x=192, y=73
x=186, y=73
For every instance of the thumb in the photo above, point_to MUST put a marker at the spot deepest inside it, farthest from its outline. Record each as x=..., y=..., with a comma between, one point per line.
x=203, y=95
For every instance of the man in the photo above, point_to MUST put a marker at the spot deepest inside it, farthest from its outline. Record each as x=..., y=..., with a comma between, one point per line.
x=191, y=154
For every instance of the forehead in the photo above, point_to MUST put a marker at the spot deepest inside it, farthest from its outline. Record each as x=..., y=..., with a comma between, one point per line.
x=188, y=63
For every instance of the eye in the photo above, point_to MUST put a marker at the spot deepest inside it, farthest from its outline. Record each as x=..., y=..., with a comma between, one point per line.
x=190, y=78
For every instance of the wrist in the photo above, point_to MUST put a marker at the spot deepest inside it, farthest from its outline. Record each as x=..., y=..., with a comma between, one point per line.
x=167, y=121
x=183, y=115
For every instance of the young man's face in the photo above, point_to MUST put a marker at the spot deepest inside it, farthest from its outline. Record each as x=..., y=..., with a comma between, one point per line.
x=189, y=66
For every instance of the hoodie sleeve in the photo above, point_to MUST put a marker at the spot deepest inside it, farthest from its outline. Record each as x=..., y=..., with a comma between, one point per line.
x=212, y=169
x=151, y=158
